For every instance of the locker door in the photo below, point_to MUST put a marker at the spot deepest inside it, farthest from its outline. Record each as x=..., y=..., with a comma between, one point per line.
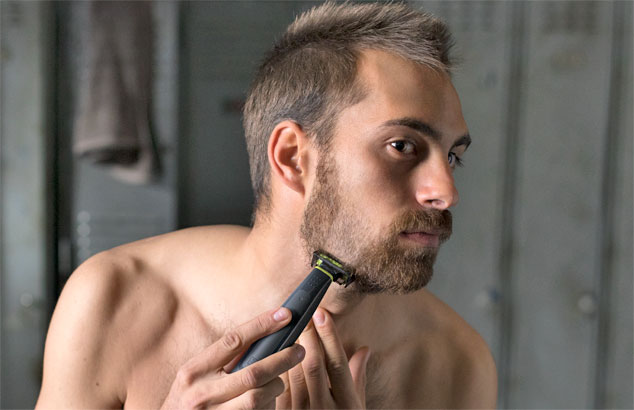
x=101, y=211
x=25, y=210
x=565, y=100
x=224, y=42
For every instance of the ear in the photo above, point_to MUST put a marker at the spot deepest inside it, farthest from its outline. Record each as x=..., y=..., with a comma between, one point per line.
x=287, y=152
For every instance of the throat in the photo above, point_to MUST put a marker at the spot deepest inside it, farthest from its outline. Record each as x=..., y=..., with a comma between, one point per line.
x=343, y=302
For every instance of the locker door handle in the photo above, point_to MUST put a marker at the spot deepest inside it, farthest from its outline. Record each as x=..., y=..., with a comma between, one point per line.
x=587, y=303
x=487, y=299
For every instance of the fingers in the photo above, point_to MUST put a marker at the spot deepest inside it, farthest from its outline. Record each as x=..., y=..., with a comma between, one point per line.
x=335, y=356
x=235, y=341
x=262, y=397
x=345, y=376
x=267, y=369
x=259, y=374
x=316, y=378
x=299, y=391
x=201, y=382
x=283, y=401
x=326, y=378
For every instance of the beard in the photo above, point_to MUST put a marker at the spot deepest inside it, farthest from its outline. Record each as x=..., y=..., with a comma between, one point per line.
x=379, y=262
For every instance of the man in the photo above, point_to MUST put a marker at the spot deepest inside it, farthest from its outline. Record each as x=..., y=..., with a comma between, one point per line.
x=354, y=130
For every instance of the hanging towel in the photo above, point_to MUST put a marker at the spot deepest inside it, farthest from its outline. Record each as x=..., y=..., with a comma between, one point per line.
x=112, y=121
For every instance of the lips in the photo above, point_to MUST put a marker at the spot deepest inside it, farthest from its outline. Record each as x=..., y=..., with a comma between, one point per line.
x=434, y=232
x=428, y=228
x=426, y=239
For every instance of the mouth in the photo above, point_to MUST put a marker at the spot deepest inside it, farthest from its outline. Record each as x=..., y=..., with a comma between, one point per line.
x=425, y=239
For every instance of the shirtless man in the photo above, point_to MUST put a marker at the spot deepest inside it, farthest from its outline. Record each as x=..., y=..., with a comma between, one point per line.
x=354, y=130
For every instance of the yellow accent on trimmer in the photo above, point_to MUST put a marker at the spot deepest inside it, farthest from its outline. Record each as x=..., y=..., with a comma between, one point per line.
x=334, y=262
x=325, y=271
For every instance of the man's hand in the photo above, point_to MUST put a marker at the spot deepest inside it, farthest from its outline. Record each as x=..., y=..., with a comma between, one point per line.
x=204, y=381
x=325, y=379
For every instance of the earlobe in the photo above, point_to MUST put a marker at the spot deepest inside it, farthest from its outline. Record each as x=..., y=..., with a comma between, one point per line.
x=286, y=155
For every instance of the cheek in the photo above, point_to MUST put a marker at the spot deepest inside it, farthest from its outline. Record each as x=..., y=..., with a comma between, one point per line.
x=373, y=188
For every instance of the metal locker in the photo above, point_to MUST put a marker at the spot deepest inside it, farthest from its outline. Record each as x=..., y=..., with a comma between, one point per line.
x=564, y=99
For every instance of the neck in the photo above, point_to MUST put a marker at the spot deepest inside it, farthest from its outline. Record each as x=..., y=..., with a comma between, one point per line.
x=275, y=262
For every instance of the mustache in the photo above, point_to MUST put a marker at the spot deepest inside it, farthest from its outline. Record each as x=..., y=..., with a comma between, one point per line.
x=431, y=221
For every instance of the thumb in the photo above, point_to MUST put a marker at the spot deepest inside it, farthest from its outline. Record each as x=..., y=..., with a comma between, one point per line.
x=358, y=367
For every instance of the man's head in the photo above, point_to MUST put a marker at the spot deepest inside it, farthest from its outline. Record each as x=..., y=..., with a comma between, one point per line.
x=311, y=73
x=384, y=123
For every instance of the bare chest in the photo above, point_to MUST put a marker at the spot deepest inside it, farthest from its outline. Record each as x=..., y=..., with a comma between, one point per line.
x=151, y=374
x=386, y=384
x=151, y=379
x=409, y=377
x=399, y=377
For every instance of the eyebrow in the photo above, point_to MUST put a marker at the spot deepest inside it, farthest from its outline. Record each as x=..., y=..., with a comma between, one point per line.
x=427, y=129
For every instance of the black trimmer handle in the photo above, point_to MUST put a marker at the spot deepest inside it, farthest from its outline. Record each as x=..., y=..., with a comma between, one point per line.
x=302, y=303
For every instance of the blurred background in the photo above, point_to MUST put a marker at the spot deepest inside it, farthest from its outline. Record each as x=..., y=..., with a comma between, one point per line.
x=540, y=262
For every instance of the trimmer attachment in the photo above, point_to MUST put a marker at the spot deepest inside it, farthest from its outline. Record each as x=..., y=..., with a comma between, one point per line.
x=302, y=303
x=332, y=267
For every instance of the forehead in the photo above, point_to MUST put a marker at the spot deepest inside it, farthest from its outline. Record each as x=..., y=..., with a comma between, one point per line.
x=398, y=88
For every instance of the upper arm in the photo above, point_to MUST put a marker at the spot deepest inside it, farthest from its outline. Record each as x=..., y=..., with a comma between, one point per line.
x=475, y=380
x=80, y=366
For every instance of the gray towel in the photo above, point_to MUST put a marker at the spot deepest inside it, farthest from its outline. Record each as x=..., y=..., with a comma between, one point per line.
x=112, y=123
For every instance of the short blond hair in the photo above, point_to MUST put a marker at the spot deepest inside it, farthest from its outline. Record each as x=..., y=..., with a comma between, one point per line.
x=310, y=73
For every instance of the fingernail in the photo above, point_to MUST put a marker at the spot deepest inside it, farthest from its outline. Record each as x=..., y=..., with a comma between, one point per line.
x=301, y=352
x=318, y=317
x=280, y=315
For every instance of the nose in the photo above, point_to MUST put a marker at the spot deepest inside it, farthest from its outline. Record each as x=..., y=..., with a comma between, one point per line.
x=435, y=187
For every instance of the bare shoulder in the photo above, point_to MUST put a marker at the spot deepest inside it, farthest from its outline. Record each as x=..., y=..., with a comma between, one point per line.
x=456, y=356
x=117, y=311
x=101, y=324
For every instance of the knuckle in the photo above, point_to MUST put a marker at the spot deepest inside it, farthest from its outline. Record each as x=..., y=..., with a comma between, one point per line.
x=193, y=400
x=337, y=368
x=252, y=399
x=296, y=377
x=328, y=336
x=263, y=322
x=312, y=368
x=250, y=376
x=232, y=340
x=185, y=376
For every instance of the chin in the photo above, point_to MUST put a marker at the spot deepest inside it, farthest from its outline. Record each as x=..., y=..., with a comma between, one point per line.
x=398, y=285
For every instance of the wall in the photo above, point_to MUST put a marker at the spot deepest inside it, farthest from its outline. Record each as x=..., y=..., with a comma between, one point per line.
x=25, y=252
x=534, y=259
x=57, y=210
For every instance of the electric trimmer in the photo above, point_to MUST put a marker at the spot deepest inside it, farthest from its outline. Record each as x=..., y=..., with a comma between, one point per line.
x=302, y=303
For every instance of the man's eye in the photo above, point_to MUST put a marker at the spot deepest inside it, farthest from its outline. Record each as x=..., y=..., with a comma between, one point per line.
x=454, y=160
x=404, y=147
